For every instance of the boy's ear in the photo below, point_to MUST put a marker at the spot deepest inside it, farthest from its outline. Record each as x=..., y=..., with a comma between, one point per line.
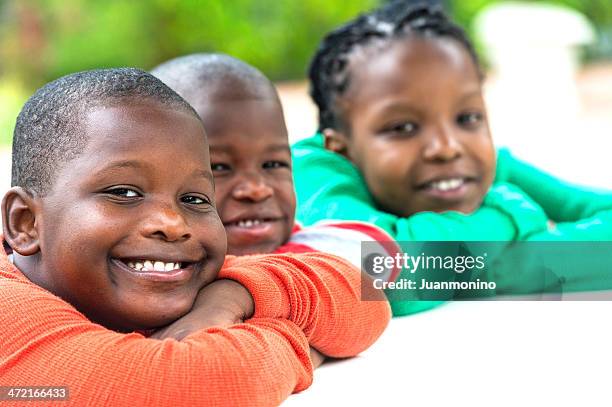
x=336, y=141
x=19, y=210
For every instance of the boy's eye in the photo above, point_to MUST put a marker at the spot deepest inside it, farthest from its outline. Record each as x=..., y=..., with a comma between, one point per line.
x=218, y=167
x=268, y=165
x=470, y=119
x=195, y=200
x=124, y=192
x=402, y=129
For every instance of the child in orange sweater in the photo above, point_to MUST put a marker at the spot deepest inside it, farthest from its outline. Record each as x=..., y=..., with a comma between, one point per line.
x=114, y=230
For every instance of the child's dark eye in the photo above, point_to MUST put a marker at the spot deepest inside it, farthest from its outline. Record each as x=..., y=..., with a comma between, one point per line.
x=123, y=192
x=402, y=129
x=195, y=200
x=269, y=165
x=471, y=119
x=219, y=167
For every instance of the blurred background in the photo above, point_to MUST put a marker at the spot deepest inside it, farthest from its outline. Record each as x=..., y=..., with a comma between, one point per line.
x=549, y=85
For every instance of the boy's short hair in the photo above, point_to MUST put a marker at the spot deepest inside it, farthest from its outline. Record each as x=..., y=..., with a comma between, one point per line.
x=49, y=130
x=191, y=74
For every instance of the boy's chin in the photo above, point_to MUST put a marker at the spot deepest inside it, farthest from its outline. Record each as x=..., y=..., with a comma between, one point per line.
x=146, y=319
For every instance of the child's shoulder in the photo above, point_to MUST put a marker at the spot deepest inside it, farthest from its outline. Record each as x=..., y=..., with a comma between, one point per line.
x=340, y=238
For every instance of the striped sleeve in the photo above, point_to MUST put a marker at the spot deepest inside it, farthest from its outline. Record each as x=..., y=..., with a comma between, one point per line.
x=345, y=240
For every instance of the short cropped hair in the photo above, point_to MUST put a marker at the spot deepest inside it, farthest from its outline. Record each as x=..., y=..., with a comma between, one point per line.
x=50, y=131
x=191, y=76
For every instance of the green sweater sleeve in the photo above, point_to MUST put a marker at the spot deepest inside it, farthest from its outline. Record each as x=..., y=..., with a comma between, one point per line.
x=562, y=201
x=330, y=187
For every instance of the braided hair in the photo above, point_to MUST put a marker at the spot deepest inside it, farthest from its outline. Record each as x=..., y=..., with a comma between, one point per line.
x=329, y=71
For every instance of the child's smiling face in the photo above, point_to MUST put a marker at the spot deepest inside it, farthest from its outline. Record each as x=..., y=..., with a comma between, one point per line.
x=139, y=198
x=251, y=162
x=417, y=126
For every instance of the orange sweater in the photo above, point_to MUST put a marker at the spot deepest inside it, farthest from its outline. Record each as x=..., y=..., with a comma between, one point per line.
x=47, y=342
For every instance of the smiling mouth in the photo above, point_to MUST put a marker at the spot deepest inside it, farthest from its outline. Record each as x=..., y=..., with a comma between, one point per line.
x=251, y=223
x=447, y=184
x=158, y=266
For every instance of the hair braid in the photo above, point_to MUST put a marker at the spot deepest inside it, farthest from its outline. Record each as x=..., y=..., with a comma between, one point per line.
x=328, y=72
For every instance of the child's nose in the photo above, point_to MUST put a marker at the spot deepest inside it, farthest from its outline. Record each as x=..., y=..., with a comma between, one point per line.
x=442, y=145
x=252, y=187
x=166, y=223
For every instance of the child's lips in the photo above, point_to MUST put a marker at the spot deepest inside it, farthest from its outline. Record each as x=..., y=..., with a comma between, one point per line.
x=451, y=188
x=253, y=229
x=157, y=270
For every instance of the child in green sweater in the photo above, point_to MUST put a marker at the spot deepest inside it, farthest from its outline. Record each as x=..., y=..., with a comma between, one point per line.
x=406, y=145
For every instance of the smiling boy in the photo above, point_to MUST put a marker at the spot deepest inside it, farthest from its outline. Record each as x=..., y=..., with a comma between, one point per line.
x=251, y=160
x=113, y=227
x=113, y=205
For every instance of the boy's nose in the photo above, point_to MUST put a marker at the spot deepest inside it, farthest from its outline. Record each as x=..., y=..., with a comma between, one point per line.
x=442, y=145
x=166, y=223
x=252, y=187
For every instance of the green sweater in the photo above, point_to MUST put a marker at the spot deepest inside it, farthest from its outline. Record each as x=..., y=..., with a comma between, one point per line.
x=518, y=206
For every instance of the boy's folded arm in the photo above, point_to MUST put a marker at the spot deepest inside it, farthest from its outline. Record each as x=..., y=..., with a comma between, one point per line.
x=219, y=304
x=561, y=200
x=47, y=342
x=319, y=292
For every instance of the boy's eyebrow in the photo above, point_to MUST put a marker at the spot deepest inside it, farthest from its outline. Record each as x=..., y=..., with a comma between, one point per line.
x=139, y=165
x=279, y=147
x=123, y=164
x=229, y=148
x=206, y=174
x=471, y=94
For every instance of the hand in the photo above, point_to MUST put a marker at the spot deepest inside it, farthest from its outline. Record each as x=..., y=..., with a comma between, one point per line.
x=221, y=303
x=316, y=357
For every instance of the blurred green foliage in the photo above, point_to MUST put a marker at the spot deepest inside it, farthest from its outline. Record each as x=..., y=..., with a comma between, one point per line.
x=41, y=40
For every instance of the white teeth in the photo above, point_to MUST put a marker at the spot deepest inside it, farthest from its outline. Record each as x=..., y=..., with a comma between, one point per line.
x=248, y=223
x=153, y=265
x=447, y=184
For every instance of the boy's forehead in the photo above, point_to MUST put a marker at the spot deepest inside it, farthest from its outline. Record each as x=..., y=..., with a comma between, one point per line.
x=244, y=120
x=132, y=137
x=126, y=122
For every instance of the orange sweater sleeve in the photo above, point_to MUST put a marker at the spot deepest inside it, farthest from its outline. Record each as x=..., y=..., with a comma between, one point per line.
x=47, y=342
x=320, y=292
